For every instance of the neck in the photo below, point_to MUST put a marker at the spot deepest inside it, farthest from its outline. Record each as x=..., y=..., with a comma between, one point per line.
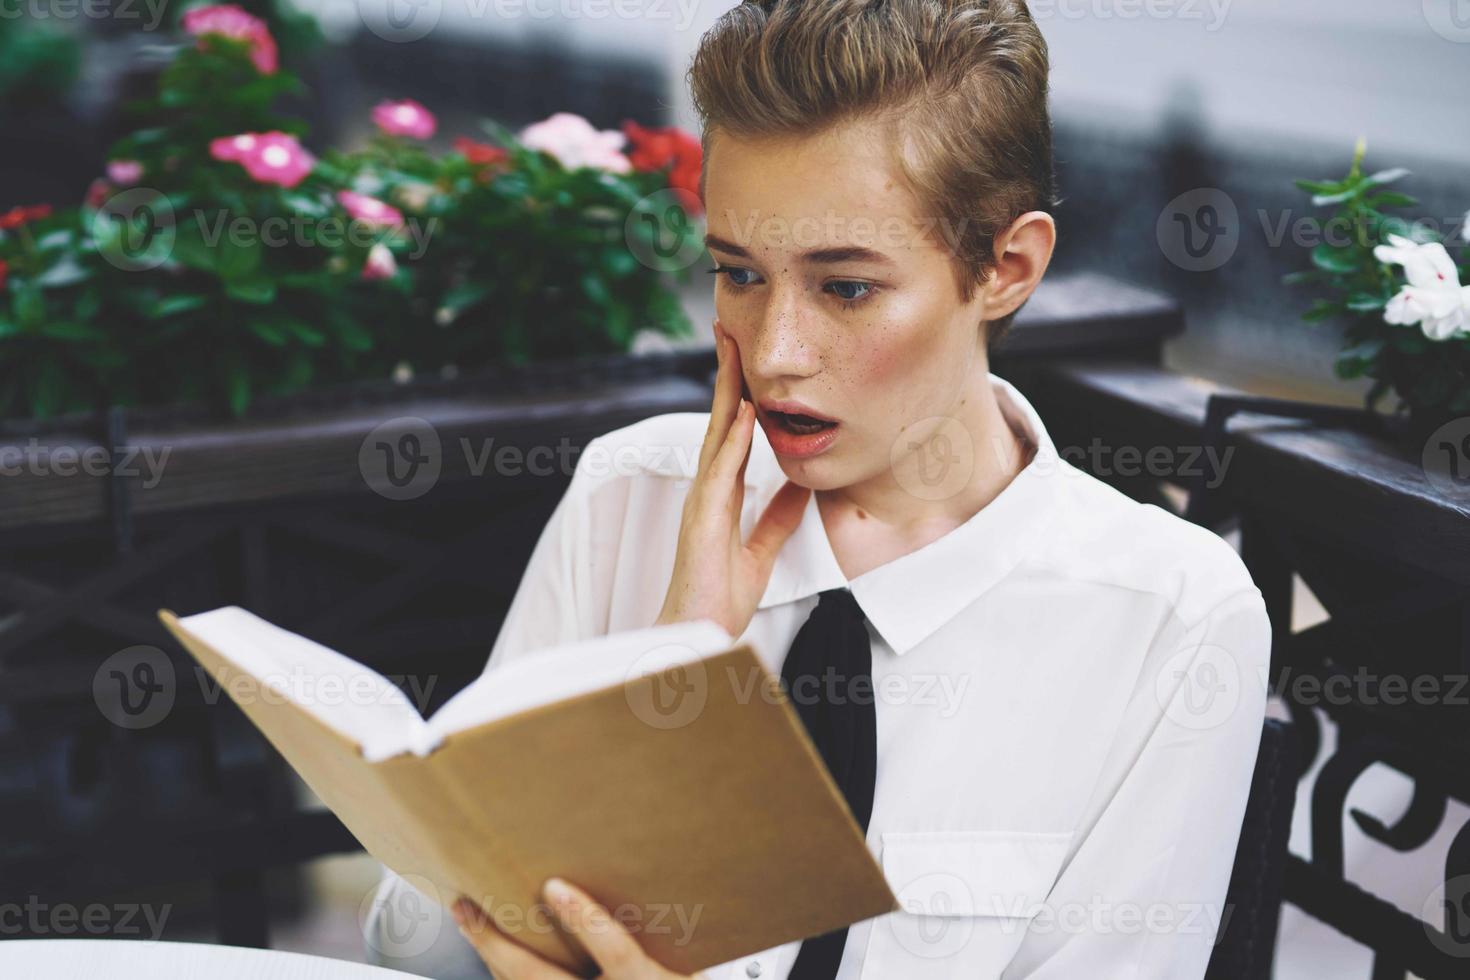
x=900, y=496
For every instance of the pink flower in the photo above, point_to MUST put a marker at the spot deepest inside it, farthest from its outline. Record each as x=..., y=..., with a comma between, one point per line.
x=574, y=143
x=229, y=20
x=380, y=263
x=124, y=173
x=405, y=118
x=271, y=158
x=233, y=148
x=370, y=210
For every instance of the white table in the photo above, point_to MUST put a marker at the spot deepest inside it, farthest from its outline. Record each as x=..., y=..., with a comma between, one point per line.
x=120, y=959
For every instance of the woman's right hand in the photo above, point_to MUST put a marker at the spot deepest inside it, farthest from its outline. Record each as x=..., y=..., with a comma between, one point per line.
x=716, y=575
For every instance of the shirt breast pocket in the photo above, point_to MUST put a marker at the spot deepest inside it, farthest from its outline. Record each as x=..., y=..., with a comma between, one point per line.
x=967, y=898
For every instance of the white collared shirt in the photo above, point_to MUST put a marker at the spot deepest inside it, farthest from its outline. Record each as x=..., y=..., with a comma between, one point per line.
x=1069, y=696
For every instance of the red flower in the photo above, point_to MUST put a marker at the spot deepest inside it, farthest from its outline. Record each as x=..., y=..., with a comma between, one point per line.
x=4, y=272
x=18, y=216
x=669, y=147
x=479, y=154
x=97, y=193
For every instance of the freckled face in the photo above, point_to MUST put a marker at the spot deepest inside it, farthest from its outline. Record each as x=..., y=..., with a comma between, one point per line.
x=878, y=341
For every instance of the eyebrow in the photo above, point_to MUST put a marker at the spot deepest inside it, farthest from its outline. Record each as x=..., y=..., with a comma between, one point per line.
x=816, y=256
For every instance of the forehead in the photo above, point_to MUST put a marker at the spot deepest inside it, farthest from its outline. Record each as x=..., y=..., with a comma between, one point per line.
x=841, y=186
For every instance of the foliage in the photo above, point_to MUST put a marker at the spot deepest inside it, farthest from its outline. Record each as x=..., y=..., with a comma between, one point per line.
x=1429, y=371
x=197, y=272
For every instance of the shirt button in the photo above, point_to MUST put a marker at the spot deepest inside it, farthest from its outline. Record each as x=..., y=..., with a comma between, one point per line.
x=752, y=970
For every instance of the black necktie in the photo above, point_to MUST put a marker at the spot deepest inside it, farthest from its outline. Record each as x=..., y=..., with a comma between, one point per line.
x=828, y=675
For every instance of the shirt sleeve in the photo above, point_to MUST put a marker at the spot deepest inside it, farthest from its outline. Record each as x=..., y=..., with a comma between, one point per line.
x=1143, y=895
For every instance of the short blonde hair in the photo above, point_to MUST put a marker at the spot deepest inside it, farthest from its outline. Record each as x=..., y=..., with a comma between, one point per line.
x=961, y=86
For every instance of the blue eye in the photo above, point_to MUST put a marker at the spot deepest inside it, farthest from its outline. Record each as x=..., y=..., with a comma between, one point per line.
x=733, y=274
x=838, y=286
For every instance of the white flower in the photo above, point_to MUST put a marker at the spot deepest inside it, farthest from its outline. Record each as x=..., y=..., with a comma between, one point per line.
x=575, y=143
x=1465, y=231
x=1433, y=297
x=380, y=263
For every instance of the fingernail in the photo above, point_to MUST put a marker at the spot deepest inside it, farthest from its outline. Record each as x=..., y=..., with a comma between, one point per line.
x=558, y=892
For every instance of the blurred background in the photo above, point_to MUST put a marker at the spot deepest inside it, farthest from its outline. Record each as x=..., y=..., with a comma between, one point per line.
x=537, y=310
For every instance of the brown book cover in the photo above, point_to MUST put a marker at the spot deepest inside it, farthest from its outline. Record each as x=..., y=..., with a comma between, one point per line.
x=712, y=801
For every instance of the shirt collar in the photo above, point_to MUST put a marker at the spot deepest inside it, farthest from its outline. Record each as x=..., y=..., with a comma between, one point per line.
x=910, y=597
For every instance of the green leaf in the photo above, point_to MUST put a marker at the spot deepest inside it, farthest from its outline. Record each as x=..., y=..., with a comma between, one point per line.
x=1332, y=259
x=305, y=204
x=464, y=295
x=237, y=259
x=1365, y=302
x=596, y=289
x=1320, y=186
x=8, y=328
x=1390, y=199
x=190, y=248
x=68, y=330
x=173, y=305
x=1385, y=177
x=1322, y=309
x=237, y=382
x=48, y=389
x=1321, y=200
x=352, y=334
x=272, y=333
x=29, y=304
x=304, y=332
x=66, y=272
x=1366, y=350
x=257, y=291
x=1302, y=276
x=619, y=262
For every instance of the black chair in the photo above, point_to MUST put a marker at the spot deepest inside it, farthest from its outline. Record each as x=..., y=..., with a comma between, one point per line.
x=1247, y=940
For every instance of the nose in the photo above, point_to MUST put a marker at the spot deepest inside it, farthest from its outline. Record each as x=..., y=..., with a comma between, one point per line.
x=784, y=344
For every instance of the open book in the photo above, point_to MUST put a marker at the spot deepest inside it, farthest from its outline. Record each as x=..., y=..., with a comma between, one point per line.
x=657, y=769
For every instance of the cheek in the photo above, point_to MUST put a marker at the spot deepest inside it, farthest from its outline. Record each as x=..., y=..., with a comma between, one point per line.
x=899, y=360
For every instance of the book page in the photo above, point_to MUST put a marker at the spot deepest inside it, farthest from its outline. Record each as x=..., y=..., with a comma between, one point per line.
x=546, y=676
x=355, y=701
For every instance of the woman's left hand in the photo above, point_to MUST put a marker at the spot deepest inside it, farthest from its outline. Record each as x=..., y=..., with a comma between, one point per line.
x=616, y=951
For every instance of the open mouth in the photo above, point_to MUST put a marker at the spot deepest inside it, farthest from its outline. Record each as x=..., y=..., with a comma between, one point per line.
x=801, y=425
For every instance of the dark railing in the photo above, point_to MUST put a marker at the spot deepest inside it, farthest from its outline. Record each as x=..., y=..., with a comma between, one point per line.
x=1323, y=495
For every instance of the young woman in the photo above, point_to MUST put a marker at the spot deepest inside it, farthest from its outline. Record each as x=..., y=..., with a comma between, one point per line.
x=1066, y=696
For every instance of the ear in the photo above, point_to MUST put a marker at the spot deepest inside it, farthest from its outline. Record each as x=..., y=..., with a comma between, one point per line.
x=1022, y=253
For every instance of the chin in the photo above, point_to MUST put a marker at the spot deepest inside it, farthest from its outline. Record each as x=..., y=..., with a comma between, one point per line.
x=818, y=473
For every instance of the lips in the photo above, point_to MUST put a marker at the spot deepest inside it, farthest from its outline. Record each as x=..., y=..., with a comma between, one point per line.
x=794, y=429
